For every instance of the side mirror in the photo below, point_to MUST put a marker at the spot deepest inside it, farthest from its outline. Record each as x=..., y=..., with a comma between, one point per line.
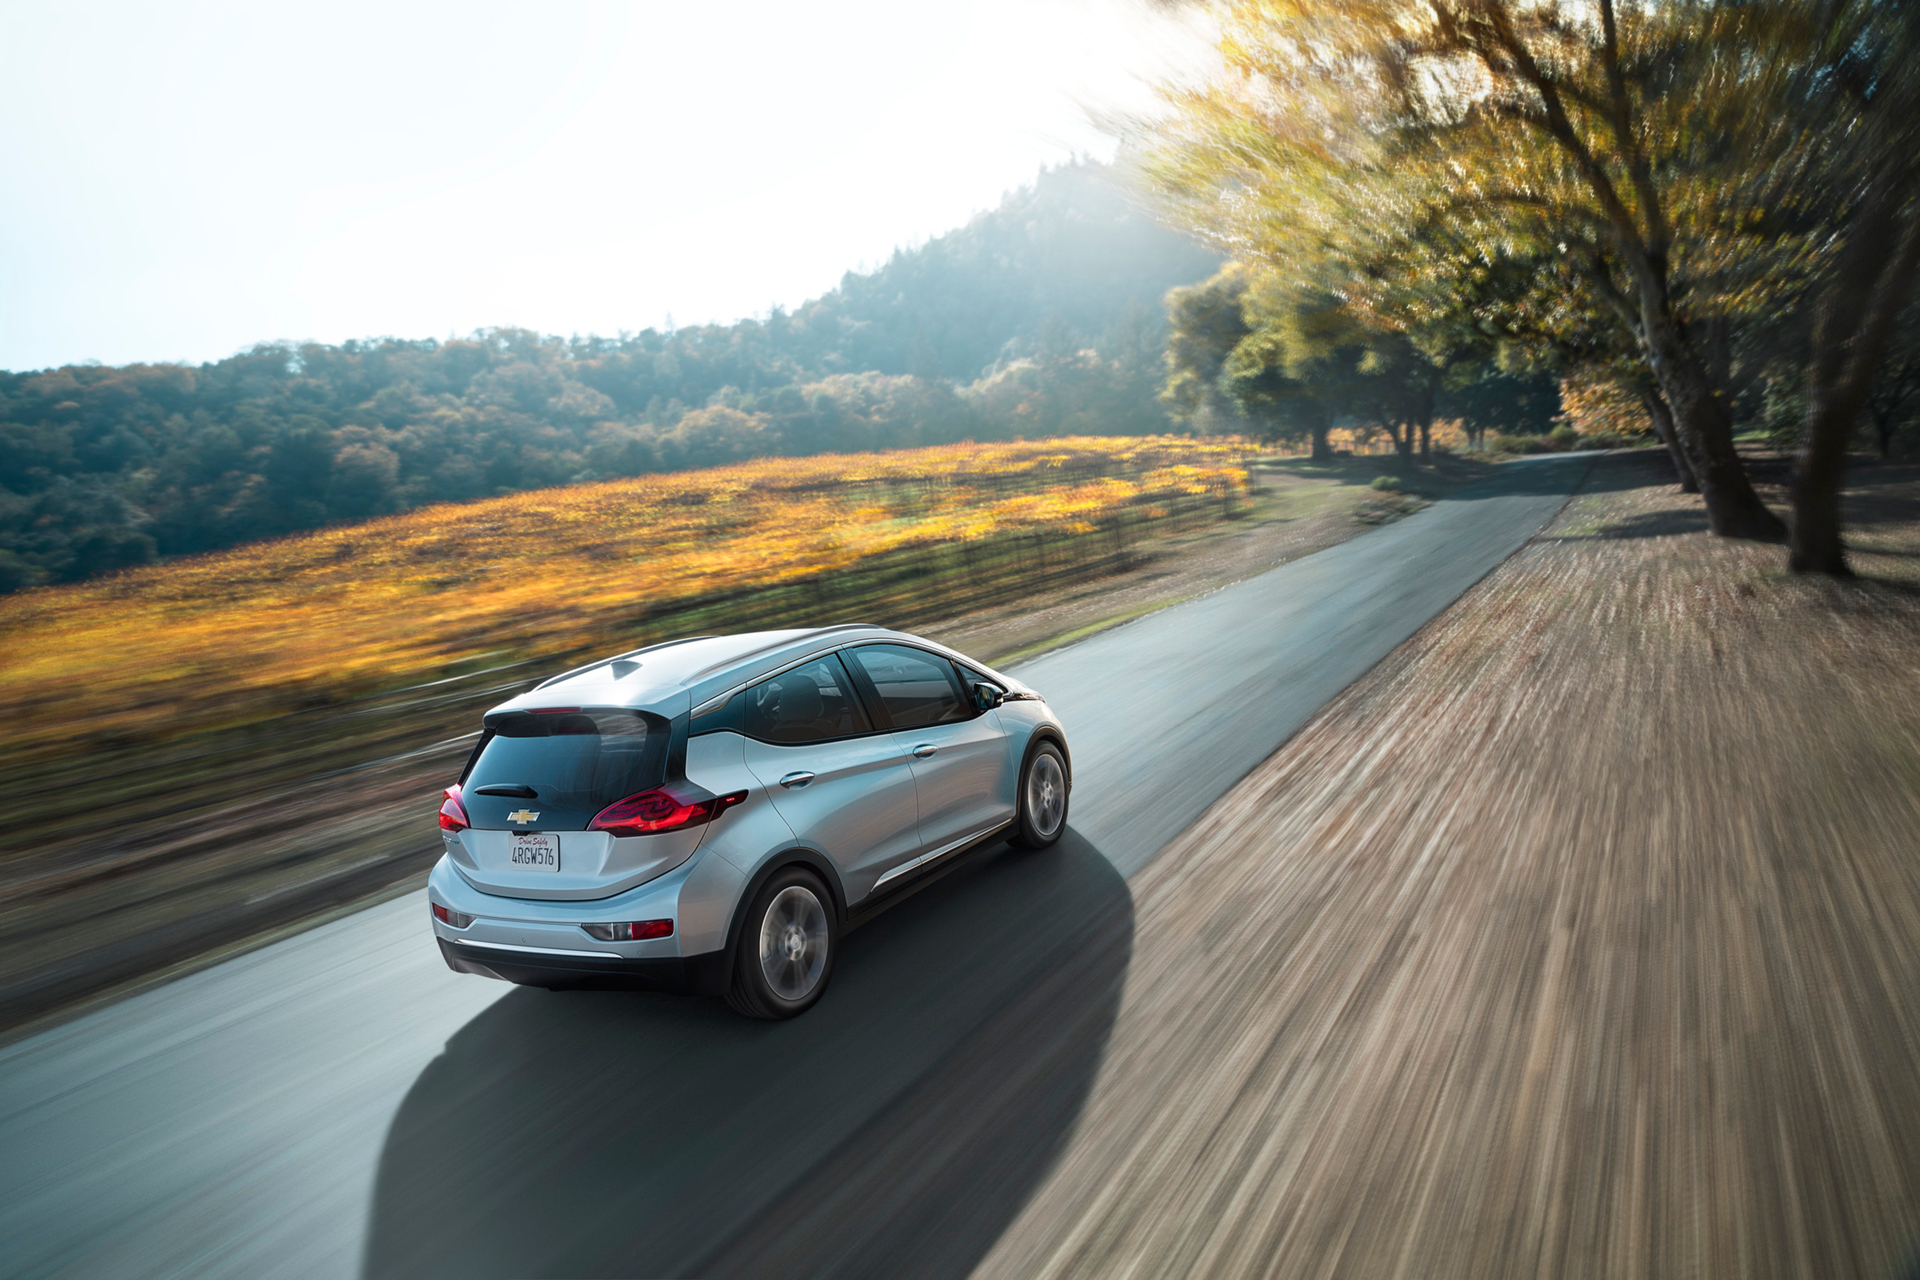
x=987, y=696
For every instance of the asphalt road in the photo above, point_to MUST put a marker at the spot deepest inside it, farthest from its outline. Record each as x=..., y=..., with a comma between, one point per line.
x=338, y=1103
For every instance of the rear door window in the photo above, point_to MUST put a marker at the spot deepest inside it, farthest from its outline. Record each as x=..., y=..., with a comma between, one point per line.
x=915, y=687
x=810, y=703
x=575, y=761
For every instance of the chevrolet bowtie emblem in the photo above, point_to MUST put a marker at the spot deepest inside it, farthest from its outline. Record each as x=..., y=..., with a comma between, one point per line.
x=522, y=815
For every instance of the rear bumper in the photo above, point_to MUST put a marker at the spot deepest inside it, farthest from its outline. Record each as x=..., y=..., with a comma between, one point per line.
x=704, y=974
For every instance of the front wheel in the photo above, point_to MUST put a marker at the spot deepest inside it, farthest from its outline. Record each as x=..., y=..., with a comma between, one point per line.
x=786, y=949
x=1043, y=798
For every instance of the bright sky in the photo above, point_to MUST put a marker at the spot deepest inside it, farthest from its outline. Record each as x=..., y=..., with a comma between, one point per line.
x=183, y=180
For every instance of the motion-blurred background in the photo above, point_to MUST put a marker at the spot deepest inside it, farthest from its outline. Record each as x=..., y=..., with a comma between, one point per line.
x=365, y=363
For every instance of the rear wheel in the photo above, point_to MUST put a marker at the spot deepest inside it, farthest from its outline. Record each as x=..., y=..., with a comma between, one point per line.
x=786, y=950
x=1043, y=798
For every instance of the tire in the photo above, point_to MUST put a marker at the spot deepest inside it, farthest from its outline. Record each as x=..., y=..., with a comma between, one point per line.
x=1043, y=797
x=788, y=942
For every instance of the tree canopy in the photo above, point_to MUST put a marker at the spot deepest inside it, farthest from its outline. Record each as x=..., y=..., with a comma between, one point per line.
x=1701, y=196
x=1250, y=350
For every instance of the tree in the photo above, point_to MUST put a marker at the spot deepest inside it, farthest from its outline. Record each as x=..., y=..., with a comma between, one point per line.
x=1256, y=377
x=1487, y=398
x=1204, y=325
x=1503, y=323
x=1897, y=394
x=1292, y=360
x=1345, y=367
x=1868, y=83
x=1348, y=131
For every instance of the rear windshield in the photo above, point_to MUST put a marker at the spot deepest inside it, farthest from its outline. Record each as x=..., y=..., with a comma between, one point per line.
x=575, y=763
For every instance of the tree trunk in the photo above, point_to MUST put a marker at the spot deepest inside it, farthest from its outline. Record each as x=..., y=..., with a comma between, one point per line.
x=1641, y=237
x=1426, y=419
x=1663, y=427
x=1864, y=298
x=1816, y=545
x=1322, y=451
x=1402, y=433
x=1833, y=408
x=1705, y=431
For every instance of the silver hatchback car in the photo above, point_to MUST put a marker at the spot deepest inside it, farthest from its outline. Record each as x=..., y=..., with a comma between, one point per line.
x=707, y=815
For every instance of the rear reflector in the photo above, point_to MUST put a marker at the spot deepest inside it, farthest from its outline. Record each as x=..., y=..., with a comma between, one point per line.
x=631, y=931
x=447, y=915
x=652, y=812
x=453, y=814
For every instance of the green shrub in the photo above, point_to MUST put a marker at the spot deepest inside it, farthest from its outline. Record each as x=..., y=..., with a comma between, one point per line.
x=1609, y=440
x=1561, y=439
x=1387, y=483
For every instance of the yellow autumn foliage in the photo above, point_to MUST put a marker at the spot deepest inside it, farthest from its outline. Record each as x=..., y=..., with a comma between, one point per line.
x=214, y=638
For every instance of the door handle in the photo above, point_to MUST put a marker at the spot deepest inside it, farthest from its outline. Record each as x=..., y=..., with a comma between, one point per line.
x=800, y=779
x=924, y=750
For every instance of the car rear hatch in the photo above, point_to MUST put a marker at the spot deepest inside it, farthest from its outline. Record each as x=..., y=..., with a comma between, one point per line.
x=538, y=782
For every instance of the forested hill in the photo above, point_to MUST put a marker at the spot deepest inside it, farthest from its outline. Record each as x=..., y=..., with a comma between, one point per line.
x=1072, y=249
x=1041, y=316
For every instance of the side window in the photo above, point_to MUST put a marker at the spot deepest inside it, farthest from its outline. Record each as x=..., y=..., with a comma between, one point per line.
x=806, y=704
x=916, y=688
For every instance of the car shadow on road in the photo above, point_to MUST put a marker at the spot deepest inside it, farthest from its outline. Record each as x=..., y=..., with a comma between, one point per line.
x=897, y=1127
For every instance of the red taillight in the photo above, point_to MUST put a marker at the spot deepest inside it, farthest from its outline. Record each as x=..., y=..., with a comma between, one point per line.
x=652, y=812
x=453, y=815
x=631, y=931
x=447, y=915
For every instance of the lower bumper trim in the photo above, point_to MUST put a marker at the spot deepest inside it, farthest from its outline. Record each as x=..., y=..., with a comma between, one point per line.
x=534, y=951
x=705, y=974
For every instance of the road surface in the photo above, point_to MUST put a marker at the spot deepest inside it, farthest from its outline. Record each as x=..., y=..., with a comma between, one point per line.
x=339, y=1104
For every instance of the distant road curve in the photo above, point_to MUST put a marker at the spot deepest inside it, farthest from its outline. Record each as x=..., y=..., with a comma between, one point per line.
x=339, y=1104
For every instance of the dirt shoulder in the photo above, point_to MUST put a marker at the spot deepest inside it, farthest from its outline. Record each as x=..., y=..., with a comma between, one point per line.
x=1579, y=938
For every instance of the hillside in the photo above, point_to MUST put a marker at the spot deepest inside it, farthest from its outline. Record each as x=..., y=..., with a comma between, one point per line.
x=1068, y=260
x=1039, y=317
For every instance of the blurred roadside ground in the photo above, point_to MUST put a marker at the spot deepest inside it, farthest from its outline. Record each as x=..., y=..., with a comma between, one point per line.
x=1579, y=938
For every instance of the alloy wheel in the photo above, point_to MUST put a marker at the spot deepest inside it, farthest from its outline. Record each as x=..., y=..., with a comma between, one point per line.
x=793, y=942
x=1046, y=794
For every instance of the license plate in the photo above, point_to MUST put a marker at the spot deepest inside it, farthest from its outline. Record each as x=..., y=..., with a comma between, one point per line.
x=533, y=851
